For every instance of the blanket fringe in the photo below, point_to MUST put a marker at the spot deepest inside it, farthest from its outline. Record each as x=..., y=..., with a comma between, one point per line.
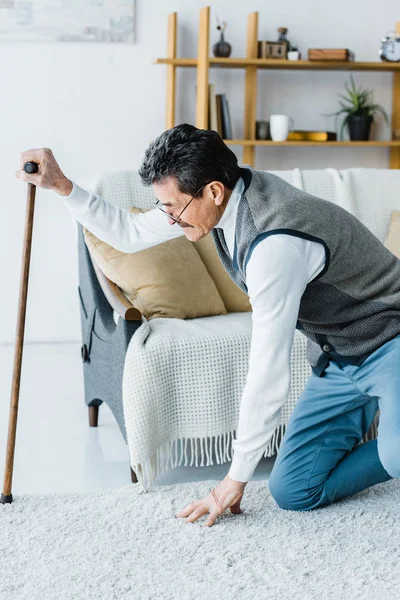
x=202, y=452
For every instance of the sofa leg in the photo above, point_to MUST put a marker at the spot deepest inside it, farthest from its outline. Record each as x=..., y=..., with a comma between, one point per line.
x=134, y=479
x=93, y=416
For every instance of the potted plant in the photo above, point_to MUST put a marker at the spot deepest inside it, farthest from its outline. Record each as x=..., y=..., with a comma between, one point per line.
x=293, y=53
x=359, y=112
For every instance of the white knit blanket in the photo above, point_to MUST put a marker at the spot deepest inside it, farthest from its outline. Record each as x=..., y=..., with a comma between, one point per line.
x=183, y=379
x=182, y=386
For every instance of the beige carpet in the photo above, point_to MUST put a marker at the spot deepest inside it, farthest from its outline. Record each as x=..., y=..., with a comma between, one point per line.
x=124, y=543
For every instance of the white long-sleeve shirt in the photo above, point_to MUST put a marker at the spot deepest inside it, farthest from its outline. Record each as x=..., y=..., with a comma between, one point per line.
x=277, y=273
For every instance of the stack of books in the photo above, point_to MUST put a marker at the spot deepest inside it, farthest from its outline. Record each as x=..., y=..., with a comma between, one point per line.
x=219, y=118
x=314, y=136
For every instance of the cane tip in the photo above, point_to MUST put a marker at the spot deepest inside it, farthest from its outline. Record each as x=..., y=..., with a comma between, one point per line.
x=6, y=499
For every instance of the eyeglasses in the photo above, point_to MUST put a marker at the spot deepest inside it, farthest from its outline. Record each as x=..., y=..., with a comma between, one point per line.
x=185, y=207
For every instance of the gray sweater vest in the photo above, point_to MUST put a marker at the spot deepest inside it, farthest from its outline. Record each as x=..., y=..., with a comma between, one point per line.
x=352, y=306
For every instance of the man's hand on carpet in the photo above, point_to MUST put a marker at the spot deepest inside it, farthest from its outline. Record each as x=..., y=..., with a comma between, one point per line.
x=227, y=494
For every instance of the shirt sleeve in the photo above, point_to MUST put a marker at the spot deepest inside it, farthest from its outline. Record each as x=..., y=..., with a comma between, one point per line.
x=276, y=278
x=118, y=227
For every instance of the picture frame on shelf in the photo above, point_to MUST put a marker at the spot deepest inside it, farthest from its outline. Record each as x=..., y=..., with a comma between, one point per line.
x=275, y=50
x=268, y=49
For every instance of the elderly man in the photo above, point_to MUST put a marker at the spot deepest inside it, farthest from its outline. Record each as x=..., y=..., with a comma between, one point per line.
x=305, y=263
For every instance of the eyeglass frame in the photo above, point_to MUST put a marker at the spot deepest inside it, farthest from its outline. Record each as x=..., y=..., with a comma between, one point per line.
x=184, y=208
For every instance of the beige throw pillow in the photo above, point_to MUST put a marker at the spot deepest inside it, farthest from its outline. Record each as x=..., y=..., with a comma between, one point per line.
x=166, y=280
x=393, y=239
x=234, y=298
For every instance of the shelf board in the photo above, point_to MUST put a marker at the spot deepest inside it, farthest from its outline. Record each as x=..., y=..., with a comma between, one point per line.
x=176, y=62
x=381, y=143
x=262, y=63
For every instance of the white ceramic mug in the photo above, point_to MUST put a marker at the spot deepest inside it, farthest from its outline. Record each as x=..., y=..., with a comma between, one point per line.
x=279, y=127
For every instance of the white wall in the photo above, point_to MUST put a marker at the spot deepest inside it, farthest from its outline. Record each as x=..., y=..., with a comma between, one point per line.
x=99, y=106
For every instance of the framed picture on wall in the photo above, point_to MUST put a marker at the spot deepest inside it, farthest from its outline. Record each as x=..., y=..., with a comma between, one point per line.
x=98, y=21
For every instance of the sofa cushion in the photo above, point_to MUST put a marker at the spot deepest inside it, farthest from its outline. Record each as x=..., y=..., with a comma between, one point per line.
x=166, y=280
x=393, y=238
x=234, y=298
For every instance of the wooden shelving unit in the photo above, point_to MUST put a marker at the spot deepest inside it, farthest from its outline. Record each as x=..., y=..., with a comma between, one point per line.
x=251, y=64
x=382, y=143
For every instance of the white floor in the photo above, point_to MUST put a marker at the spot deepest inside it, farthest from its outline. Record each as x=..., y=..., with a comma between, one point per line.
x=56, y=449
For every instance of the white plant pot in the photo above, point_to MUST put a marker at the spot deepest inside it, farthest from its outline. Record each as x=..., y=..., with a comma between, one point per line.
x=293, y=55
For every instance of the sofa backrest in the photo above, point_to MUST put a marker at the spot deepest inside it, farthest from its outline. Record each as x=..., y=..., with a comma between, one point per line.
x=370, y=194
x=121, y=187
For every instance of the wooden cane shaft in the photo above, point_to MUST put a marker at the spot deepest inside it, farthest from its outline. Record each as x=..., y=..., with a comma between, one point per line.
x=19, y=339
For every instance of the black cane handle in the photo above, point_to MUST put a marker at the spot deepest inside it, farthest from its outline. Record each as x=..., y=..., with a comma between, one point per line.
x=31, y=167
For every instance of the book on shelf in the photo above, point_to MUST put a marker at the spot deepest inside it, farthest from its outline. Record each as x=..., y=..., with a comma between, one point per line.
x=219, y=118
x=314, y=136
x=212, y=109
x=226, y=119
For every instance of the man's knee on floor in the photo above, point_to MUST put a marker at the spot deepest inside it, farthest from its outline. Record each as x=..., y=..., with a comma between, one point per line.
x=287, y=496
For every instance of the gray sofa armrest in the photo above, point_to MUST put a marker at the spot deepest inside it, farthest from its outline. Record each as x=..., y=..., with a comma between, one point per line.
x=104, y=342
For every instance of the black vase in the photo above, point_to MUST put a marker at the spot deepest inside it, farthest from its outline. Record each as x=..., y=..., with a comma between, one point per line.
x=359, y=127
x=222, y=49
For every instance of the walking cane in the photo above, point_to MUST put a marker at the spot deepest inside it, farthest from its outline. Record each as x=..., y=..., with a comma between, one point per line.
x=6, y=496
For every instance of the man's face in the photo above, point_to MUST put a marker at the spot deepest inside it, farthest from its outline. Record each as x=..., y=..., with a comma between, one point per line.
x=203, y=212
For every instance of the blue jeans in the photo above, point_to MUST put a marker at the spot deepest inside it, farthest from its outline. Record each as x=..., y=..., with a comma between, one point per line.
x=320, y=459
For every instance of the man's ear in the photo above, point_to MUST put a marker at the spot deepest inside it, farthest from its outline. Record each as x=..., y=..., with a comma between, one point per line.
x=218, y=192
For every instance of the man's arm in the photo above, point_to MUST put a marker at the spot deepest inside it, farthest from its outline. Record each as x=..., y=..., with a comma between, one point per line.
x=276, y=278
x=118, y=227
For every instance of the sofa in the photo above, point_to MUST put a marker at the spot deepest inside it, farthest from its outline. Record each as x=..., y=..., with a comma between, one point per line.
x=174, y=384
